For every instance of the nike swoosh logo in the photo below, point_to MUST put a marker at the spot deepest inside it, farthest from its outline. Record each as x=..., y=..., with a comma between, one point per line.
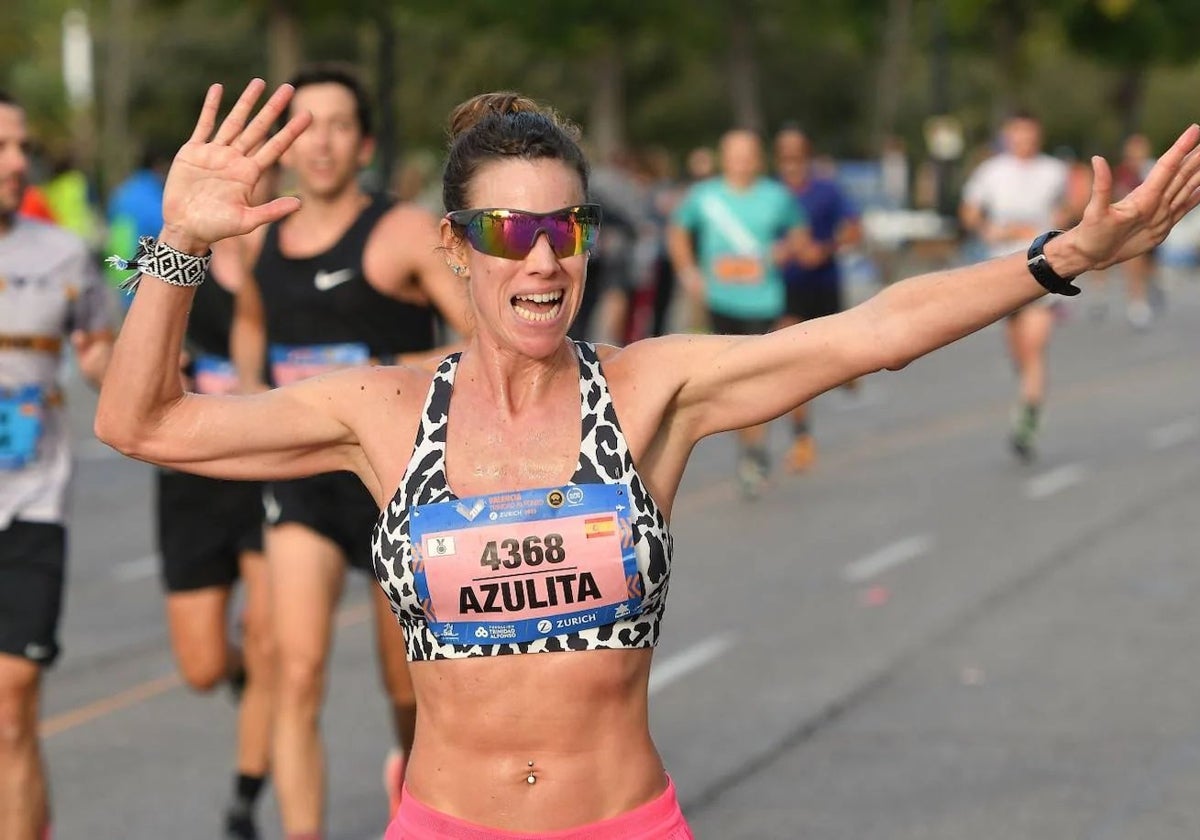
x=326, y=280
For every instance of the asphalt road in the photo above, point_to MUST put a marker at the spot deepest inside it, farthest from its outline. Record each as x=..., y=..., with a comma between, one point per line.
x=920, y=638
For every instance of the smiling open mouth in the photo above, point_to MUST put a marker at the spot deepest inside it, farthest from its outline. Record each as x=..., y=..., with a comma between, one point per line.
x=543, y=306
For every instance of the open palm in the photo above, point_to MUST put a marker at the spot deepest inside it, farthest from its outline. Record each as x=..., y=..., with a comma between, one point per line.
x=1110, y=233
x=209, y=190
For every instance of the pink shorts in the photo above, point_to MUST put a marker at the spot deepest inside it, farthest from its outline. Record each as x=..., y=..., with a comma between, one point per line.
x=660, y=819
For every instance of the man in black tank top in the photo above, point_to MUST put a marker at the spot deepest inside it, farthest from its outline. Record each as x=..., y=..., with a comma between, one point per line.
x=348, y=279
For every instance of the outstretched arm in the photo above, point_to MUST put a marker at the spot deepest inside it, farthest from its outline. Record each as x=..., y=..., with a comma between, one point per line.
x=143, y=410
x=726, y=383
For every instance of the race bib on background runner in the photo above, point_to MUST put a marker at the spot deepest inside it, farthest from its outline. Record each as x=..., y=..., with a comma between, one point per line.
x=214, y=375
x=738, y=269
x=20, y=425
x=292, y=363
x=519, y=566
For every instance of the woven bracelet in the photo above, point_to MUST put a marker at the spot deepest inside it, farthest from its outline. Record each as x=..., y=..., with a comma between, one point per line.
x=162, y=261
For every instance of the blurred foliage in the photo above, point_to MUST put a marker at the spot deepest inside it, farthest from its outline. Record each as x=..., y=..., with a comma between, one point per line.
x=816, y=63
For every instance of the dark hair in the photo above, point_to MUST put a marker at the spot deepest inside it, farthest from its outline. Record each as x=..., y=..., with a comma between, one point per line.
x=5, y=99
x=339, y=74
x=1022, y=115
x=492, y=126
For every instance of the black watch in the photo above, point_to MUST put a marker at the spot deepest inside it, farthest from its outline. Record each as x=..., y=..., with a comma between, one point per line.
x=1040, y=268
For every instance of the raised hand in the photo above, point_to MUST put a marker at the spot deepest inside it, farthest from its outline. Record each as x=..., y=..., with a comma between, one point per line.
x=209, y=191
x=1110, y=233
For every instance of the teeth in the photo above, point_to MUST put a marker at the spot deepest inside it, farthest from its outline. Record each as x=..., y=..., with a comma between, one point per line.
x=530, y=315
x=544, y=297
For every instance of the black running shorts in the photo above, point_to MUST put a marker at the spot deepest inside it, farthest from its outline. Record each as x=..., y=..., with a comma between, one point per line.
x=335, y=505
x=204, y=527
x=806, y=301
x=33, y=560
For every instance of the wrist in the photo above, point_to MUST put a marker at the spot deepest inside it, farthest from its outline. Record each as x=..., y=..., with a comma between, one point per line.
x=182, y=241
x=1064, y=256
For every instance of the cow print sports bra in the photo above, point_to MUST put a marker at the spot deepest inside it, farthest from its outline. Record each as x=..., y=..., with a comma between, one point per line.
x=604, y=459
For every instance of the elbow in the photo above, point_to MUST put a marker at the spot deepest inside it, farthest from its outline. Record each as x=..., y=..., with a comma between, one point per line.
x=894, y=344
x=116, y=433
x=121, y=431
x=895, y=352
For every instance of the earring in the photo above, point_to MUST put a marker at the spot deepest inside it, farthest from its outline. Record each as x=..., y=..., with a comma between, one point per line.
x=459, y=270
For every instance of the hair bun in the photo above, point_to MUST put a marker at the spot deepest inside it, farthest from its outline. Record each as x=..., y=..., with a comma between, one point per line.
x=475, y=109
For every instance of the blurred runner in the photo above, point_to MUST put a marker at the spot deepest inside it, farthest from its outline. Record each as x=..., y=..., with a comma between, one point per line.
x=1136, y=162
x=744, y=226
x=814, y=290
x=345, y=281
x=1007, y=201
x=50, y=290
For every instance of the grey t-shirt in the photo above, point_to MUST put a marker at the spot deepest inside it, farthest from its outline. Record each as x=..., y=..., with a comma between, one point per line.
x=50, y=285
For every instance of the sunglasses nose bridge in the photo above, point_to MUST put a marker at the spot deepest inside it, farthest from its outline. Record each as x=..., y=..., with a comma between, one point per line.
x=541, y=233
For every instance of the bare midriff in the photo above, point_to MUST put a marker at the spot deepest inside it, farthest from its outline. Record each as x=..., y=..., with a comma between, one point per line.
x=580, y=717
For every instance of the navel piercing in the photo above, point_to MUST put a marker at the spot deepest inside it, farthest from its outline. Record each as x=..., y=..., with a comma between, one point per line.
x=531, y=778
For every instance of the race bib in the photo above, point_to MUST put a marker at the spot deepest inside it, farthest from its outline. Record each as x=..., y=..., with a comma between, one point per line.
x=738, y=269
x=20, y=425
x=214, y=375
x=292, y=363
x=520, y=566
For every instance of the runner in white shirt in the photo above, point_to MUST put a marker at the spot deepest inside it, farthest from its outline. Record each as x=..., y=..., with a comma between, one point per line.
x=51, y=294
x=1007, y=201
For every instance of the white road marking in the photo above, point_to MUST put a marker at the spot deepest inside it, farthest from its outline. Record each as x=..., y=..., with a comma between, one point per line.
x=886, y=558
x=666, y=671
x=139, y=569
x=1056, y=480
x=1173, y=434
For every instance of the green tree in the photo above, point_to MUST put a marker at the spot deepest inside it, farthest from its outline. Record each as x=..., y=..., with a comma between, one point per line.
x=1133, y=36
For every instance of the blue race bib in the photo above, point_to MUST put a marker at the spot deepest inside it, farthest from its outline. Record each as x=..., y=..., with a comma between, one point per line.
x=20, y=425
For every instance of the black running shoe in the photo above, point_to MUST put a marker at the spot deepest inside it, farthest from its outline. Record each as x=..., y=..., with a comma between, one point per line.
x=239, y=823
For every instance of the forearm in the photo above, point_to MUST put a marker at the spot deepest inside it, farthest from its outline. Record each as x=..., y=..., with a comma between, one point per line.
x=917, y=316
x=142, y=381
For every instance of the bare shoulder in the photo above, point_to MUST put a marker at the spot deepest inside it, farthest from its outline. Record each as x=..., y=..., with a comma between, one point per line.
x=405, y=218
x=391, y=387
x=660, y=365
x=402, y=241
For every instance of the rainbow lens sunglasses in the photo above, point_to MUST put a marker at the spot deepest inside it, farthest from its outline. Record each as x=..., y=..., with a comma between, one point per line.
x=511, y=234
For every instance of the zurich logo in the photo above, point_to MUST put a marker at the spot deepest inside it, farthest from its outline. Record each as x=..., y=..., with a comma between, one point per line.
x=544, y=626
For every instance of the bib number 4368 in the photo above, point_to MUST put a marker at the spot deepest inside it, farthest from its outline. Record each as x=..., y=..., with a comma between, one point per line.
x=532, y=551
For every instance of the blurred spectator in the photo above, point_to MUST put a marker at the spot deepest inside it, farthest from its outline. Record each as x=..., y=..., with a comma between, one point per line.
x=893, y=163
x=70, y=199
x=701, y=164
x=610, y=275
x=135, y=208
x=35, y=206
